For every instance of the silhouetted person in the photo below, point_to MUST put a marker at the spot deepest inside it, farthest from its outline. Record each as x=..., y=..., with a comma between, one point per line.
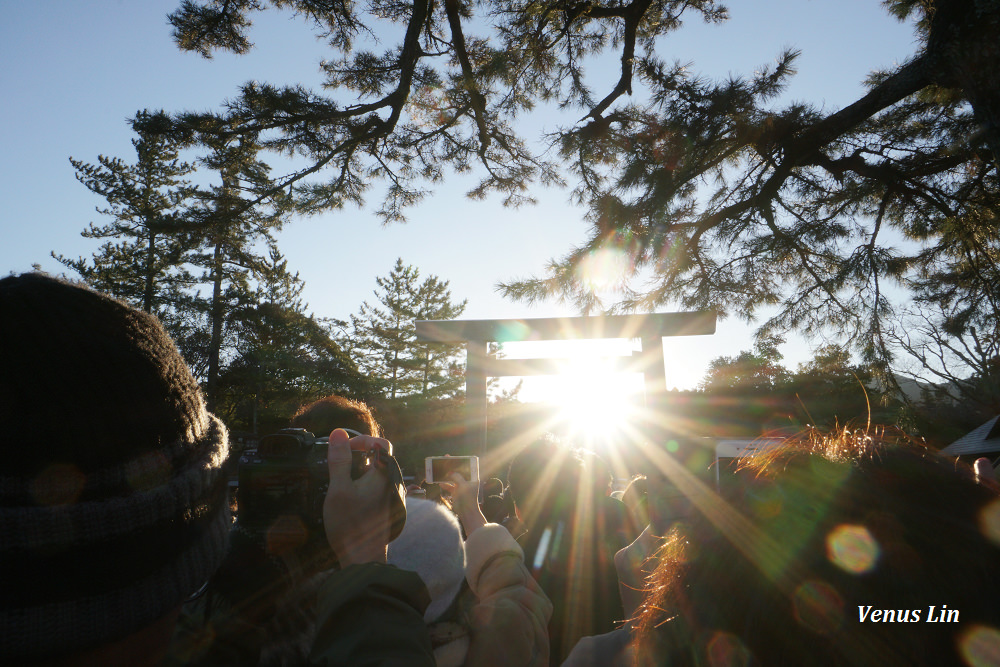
x=573, y=532
x=113, y=506
x=845, y=552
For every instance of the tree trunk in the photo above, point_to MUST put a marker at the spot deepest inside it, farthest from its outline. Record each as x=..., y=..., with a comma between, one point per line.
x=215, y=345
x=147, y=294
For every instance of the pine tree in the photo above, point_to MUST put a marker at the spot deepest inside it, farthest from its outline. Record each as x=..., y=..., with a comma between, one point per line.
x=228, y=226
x=725, y=200
x=142, y=262
x=716, y=195
x=282, y=356
x=749, y=371
x=441, y=97
x=439, y=370
x=385, y=335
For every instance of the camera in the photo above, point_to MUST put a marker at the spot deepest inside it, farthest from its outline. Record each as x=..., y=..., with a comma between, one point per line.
x=283, y=484
x=287, y=476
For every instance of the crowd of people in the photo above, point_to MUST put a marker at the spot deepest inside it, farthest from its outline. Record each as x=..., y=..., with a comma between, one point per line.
x=117, y=544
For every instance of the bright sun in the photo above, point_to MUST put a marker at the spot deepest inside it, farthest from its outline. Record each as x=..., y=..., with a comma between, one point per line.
x=595, y=402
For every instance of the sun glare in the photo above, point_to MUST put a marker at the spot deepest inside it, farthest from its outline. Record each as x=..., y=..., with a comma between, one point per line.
x=594, y=402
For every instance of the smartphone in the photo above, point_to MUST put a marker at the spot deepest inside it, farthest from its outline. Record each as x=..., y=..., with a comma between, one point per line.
x=438, y=468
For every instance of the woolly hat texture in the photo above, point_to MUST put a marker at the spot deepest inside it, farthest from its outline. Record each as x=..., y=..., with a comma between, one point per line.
x=112, y=503
x=431, y=545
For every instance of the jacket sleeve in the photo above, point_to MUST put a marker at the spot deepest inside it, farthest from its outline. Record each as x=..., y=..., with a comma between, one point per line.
x=509, y=621
x=612, y=649
x=372, y=614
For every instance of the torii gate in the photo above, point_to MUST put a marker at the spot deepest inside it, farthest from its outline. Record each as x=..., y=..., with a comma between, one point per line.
x=477, y=334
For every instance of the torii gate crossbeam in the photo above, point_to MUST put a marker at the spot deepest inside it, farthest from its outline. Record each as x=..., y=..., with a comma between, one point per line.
x=477, y=334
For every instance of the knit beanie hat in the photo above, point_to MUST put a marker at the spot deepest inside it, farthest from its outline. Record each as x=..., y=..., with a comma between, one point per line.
x=112, y=506
x=431, y=545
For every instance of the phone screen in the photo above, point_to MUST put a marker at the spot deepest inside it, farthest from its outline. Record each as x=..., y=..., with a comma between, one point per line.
x=443, y=467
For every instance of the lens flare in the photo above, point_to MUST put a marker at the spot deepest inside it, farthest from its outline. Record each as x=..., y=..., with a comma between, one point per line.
x=819, y=607
x=989, y=521
x=852, y=549
x=59, y=484
x=980, y=646
x=514, y=331
x=603, y=269
x=726, y=650
x=595, y=403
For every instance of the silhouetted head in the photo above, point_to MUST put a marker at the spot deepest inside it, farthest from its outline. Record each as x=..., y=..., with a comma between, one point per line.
x=330, y=412
x=112, y=504
x=544, y=479
x=814, y=545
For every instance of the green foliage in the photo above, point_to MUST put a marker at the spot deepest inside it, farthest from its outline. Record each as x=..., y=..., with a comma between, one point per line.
x=421, y=427
x=384, y=336
x=142, y=262
x=751, y=393
x=721, y=199
x=447, y=94
x=228, y=226
x=282, y=357
x=717, y=196
x=749, y=371
x=249, y=339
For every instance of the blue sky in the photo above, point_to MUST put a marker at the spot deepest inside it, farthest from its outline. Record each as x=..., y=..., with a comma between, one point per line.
x=73, y=72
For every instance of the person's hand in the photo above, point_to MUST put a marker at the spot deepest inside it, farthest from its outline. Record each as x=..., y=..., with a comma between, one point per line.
x=465, y=500
x=356, y=513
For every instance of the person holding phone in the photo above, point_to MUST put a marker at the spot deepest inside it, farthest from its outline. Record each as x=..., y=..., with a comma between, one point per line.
x=485, y=607
x=509, y=620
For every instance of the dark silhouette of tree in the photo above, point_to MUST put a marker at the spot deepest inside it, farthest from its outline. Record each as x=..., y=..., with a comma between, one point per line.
x=759, y=369
x=440, y=97
x=752, y=393
x=384, y=336
x=832, y=390
x=282, y=357
x=441, y=373
x=961, y=357
x=718, y=196
x=142, y=262
x=727, y=201
x=228, y=226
